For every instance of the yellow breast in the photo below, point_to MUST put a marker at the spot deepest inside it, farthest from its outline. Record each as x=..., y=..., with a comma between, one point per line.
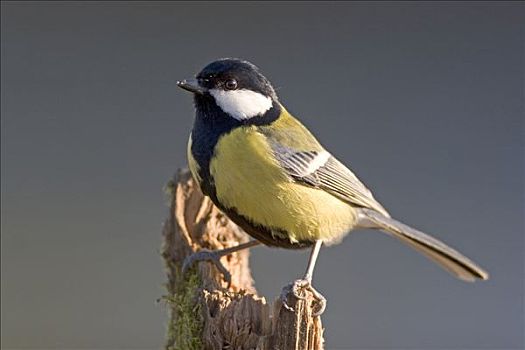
x=250, y=180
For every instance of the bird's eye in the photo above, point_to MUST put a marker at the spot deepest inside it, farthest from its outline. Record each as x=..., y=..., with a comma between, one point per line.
x=230, y=84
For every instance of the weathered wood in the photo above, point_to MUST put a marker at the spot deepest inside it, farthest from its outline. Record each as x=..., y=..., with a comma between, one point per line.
x=204, y=312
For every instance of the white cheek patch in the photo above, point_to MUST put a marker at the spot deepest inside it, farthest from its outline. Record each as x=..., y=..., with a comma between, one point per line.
x=242, y=104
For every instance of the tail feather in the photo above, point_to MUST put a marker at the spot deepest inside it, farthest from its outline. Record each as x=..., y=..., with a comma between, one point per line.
x=445, y=256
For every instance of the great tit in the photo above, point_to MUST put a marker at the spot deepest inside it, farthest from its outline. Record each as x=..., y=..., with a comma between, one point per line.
x=271, y=176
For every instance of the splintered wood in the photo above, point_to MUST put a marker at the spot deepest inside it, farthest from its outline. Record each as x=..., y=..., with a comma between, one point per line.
x=206, y=313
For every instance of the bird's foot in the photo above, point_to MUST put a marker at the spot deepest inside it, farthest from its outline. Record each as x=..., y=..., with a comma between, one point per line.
x=297, y=289
x=211, y=256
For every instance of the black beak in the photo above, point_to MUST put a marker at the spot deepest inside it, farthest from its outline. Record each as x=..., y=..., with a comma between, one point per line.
x=191, y=85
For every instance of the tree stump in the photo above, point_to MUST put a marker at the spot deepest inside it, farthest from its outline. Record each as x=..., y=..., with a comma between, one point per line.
x=206, y=313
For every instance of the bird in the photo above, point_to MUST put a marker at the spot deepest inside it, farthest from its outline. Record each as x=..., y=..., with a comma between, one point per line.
x=271, y=176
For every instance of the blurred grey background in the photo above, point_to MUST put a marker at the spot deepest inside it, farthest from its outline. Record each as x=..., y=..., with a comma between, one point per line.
x=423, y=100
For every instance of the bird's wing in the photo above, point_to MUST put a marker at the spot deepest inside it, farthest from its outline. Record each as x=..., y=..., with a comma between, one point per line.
x=308, y=163
x=321, y=170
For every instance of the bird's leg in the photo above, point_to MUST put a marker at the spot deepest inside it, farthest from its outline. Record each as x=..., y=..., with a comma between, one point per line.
x=215, y=257
x=306, y=284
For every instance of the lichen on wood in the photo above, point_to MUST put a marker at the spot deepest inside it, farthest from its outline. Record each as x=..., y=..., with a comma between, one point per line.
x=206, y=313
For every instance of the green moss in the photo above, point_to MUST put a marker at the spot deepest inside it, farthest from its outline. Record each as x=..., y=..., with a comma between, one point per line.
x=185, y=325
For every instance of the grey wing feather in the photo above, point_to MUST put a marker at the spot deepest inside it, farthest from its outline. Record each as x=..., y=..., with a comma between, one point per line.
x=321, y=170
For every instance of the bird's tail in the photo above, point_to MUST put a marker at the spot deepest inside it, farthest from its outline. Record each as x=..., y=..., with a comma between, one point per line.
x=446, y=257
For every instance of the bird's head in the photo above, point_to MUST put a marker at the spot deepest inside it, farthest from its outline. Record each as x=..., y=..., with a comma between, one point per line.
x=233, y=85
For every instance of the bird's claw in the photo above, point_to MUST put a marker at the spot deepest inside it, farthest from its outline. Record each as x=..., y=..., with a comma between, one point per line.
x=207, y=255
x=297, y=289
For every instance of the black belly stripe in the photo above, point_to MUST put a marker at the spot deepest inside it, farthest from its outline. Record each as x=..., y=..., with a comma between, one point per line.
x=263, y=234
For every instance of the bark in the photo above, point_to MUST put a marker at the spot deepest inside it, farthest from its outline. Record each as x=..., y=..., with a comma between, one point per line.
x=206, y=313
